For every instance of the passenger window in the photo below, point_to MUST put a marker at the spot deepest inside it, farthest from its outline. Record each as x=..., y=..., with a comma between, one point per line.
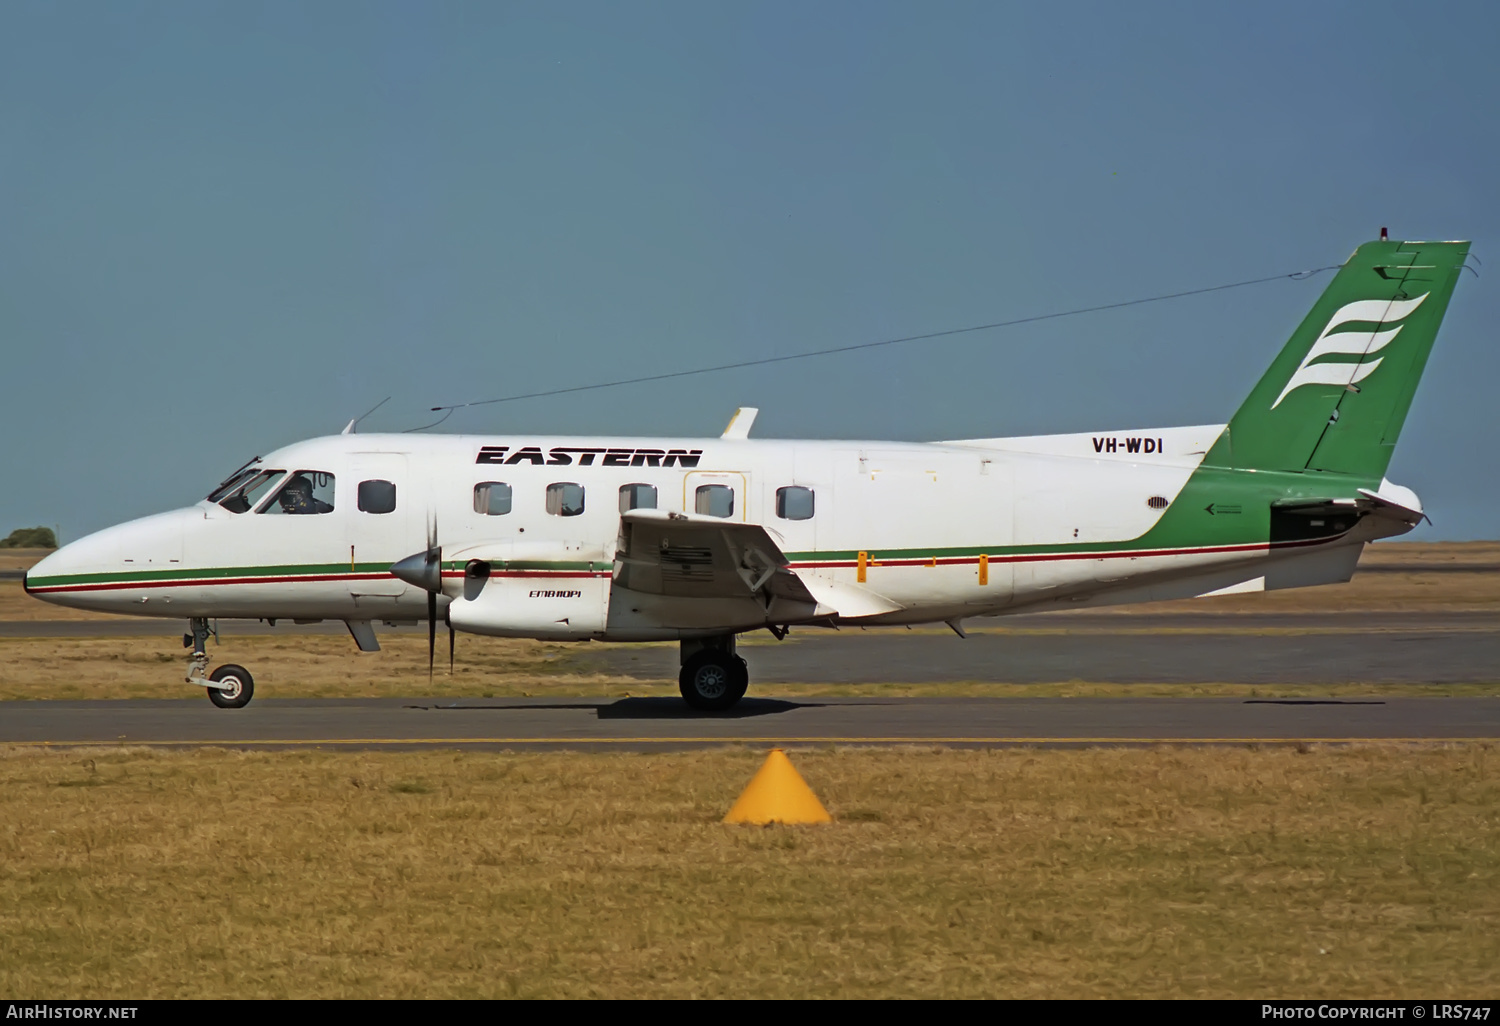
x=241, y=494
x=377, y=497
x=715, y=500
x=565, y=499
x=492, y=498
x=305, y=492
x=637, y=496
x=794, y=503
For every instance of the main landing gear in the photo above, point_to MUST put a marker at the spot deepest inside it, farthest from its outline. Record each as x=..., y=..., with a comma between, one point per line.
x=712, y=678
x=229, y=686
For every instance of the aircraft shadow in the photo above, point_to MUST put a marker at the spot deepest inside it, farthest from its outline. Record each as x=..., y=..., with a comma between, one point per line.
x=1314, y=701
x=677, y=709
x=640, y=708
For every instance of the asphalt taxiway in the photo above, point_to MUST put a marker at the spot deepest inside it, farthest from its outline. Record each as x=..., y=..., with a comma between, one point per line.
x=1314, y=649
x=657, y=723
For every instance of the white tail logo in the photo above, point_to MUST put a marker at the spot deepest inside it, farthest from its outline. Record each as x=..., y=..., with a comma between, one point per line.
x=1352, y=343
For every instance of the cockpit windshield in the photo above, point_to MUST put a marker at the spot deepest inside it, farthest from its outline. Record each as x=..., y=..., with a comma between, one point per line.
x=240, y=493
x=230, y=483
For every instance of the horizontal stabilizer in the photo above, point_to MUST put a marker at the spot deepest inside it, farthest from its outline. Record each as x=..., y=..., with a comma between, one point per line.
x=1396, y=502
x=1390, y=501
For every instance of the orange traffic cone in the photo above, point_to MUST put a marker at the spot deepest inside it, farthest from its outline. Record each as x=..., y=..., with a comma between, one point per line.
x=777, y=794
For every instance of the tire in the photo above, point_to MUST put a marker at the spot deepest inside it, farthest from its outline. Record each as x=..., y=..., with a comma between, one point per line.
x=238, y=698
x=713, y=681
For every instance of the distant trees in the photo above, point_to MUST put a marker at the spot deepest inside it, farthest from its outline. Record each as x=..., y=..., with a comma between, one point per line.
x=30, y=538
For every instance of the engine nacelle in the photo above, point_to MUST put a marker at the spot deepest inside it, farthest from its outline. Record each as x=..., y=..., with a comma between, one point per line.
x=533, y=591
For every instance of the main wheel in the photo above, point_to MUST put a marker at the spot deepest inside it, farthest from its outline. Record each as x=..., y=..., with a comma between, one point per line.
x=713, y=681
x=242, y=687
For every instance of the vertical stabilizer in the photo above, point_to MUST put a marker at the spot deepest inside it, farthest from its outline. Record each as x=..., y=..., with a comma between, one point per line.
x=1336, y=397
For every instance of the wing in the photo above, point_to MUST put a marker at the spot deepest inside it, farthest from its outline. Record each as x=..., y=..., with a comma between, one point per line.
x=692, y=556
x=708, y=572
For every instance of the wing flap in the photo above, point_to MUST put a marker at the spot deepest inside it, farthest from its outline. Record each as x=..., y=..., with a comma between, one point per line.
x=694, y=556
x=682, y=555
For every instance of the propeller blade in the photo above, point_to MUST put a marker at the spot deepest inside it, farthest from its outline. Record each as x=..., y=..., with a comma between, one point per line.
x=431, y=631
x=450, y=648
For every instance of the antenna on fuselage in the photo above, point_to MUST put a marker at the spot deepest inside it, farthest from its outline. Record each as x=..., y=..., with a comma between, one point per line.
x=739, y=424
x=349, y=427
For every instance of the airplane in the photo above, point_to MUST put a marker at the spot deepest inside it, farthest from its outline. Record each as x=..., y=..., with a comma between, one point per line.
x=701, y=540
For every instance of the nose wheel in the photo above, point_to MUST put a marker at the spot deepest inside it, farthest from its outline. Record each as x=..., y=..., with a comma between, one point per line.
x=229, y=686
x=235, y=687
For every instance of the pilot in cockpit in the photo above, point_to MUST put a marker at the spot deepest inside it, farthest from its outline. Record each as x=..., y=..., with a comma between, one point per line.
x=297, y=497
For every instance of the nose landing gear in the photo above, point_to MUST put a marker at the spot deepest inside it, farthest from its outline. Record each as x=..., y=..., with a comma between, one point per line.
x=229, y=686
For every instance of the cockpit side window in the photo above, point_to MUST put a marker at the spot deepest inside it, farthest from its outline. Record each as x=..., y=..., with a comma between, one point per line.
x=305, y=492
x=241, y=493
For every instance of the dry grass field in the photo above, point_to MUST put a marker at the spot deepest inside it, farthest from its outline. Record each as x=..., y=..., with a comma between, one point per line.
x=1369, y=871
x=1368, y=593
x=1391, y=590
x=304, y=666
x=20, y=559
x=1349, y=872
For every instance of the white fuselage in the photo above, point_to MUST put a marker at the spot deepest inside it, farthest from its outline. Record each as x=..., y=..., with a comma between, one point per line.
x=912, y=532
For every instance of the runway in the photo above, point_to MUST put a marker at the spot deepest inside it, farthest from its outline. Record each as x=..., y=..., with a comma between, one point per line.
x=658, y=723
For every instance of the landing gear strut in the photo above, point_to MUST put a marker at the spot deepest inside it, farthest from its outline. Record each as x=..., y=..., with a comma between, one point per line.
x=229, y=686
x=712, y=678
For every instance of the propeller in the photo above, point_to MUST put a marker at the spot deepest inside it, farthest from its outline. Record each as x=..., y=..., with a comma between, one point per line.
x=425, y=570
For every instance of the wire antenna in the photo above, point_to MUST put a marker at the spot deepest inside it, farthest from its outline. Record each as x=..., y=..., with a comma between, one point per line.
x=447, y=411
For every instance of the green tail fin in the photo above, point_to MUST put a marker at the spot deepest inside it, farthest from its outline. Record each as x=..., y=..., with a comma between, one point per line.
x=1336, y=397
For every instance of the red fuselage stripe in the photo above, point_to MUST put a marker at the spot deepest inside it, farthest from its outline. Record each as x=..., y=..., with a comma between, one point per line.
x=800, y=564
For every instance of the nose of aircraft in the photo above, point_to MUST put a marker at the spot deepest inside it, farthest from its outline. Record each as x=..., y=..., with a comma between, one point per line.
x=109, y=569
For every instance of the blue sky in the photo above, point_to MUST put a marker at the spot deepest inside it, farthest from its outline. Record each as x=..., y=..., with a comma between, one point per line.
x=228, y=226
